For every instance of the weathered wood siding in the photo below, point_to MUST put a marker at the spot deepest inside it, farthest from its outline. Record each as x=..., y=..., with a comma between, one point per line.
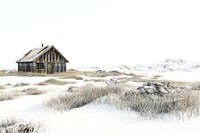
x=49, y=62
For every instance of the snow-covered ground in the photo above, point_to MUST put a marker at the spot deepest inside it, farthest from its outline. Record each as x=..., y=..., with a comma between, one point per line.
x=17, y=79
x=176, y=76
x=92, y=118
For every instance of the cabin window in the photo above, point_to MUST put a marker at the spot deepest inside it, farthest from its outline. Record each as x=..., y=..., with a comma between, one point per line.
x=40, y=66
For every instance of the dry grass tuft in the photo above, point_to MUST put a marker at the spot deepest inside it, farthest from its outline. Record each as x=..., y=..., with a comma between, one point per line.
x=196, y=87
x=2, y=87
x=9, y=124
x=33, y=91
x=180, y=104
x=53, y=81
x=85, y=95
x=21, y=84
x=72, y=74
x=72, y=77
x=95, y=80
x=9, y=95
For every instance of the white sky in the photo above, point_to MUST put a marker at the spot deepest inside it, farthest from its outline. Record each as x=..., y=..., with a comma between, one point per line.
x=101, y=32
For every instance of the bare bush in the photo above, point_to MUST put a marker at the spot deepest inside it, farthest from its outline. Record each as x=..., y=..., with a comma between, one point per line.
x=85, y=95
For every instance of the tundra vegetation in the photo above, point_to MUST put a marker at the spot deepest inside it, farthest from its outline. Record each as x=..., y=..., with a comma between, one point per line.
x=33, y=91
x=181, y=104
x=184, y=102
x=2, y=87
x=17, y=125
x=9, y=95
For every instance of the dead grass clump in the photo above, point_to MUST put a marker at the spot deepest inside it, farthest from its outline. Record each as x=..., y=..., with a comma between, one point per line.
x=125, y=79
x=1, y=73
x=135, y=78
x=16, y=125
x=95, y=80
x=178, y=104
x=9, y=95
x=116, y=73
x=196, y=88
x=33, y=91
x=2, y=87
x=21, y=84
x=184, y=103
x=85, y=95
x=8, y=72
x=72, y=74
x=8, y=122
x=78, y=78
x=72, y=77
x=52, y=81
x=194, y=85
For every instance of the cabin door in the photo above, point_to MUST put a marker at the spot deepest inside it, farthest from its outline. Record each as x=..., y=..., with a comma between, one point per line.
x=49, y=68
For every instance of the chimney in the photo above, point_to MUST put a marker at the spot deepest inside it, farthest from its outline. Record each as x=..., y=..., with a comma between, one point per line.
x=42, y=44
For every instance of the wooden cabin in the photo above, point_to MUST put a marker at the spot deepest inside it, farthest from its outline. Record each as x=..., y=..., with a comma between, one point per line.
x=43, y=60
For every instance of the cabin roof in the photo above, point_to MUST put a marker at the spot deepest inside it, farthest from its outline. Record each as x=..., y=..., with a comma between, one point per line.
x=35, y=53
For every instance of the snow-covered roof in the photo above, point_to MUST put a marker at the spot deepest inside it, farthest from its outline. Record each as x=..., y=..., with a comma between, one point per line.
x=35, y=53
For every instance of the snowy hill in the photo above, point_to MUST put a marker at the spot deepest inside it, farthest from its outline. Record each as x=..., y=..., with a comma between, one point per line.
x=168, y=65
